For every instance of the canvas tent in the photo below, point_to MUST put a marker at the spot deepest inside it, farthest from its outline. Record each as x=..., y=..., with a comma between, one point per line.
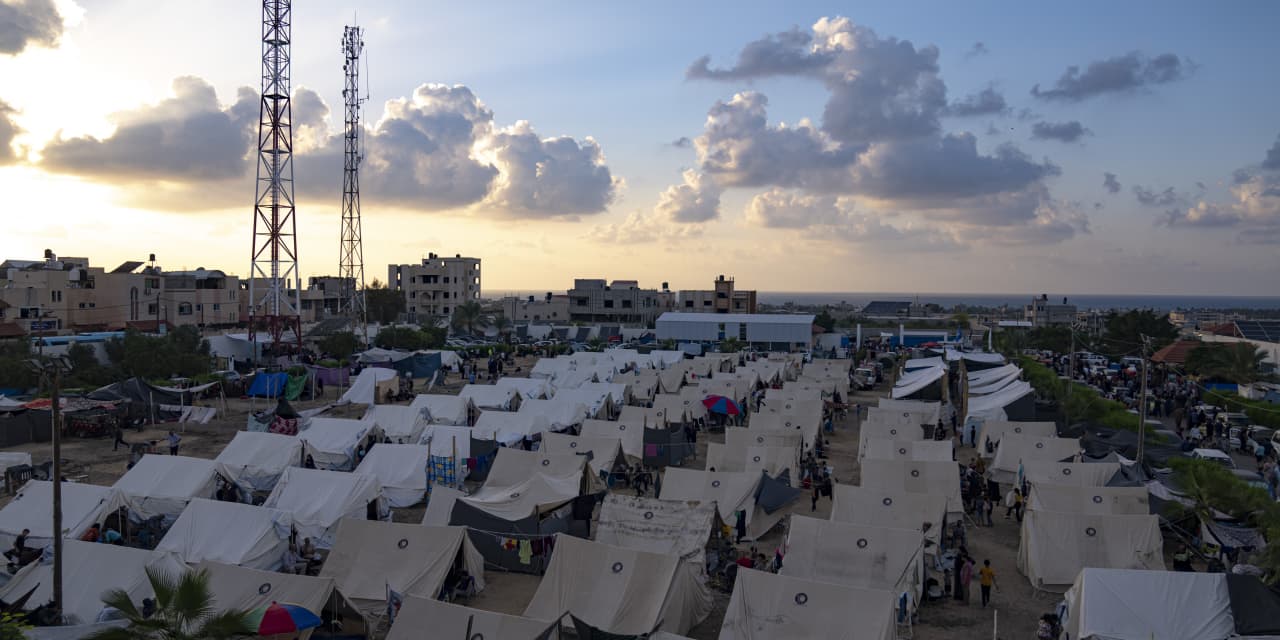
x=440, y=506
x=399, y=423
x=1091, y=500
x=401, y=469
x=766, y=606
x=740, y=438
x=1013, y=402
x=809, y=426
x=617, y=590
x=886, y=449
x=991, y=431
x=985, y=377
x=449, y=441
x=560, y=413
x=893, y=509
x=630, y=434
x=670, y=527
x=994, y=383
x=941, y=478
x=254, y=460
x=162, y=485
x=243, y=588
x=1018, y=451
x=1126, y=604
x=604, y=453
x=230, y=533
x=930, y=411
x=730, y=491
x=365, y=389
x=32, y=508
x=508, y=427
x=1056, y=546
x=489, y=397
x=320, y=499
x=332, y=443
x=922, y=384
x=855, y=555
x=1080, y=474
x=754, y=458
x=893, y=431
x=528, y=388
x=445, y=620
x=450, y=410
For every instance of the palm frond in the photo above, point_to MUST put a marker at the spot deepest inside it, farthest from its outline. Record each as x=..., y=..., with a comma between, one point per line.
x=192, y=601
x=119, y=599
x=163, y=585
x=232, y=623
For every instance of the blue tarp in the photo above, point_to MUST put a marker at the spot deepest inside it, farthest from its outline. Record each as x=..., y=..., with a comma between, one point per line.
x=268, y=385
x=419, y=365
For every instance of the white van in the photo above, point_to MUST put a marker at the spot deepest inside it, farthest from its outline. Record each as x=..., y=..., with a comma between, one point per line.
x=1215, y=455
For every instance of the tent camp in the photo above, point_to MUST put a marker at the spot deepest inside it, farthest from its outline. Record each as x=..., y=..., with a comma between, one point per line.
x=1022, y=451
x=604, y=453
x=254, y=460
x=509, y=427
x=561, y=413
x=243, y=588
x=670, y=527
x=1092, y=500
x=808, y=425
x=230, y=533
x=32, y=508
x=730, y=491
x=740, y=438
x=528, y=388
x=447, y=620
x=753, y=458
x=399, y=423
x=893, y=431
x=369, y=557
x=617, y=590
x=334, y=443
x=1014, y=402
x=89, y=570
x=630, y=434
x=1056, y=546
x=855, y=555
x=369, y=386
x=893, y=509
x=765, y=606
x=921, y=384
x=401, y=469
x=939, y=478
x=991, y=431
x=163, y=485
x=319, y=499
x=886, y=449
x=488, y=397
x=452, y=410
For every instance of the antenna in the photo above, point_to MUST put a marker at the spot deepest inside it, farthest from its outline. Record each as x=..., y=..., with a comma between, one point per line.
x=351, y=254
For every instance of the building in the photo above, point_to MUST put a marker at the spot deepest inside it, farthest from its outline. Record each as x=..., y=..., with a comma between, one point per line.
x=723, y=298
x=887, y=308
x=202, y=297
x=1263, y=334
x=550, y=309
x=323, y=295
x=436, y=286
x=1196, y=318
x=765, y=331
x=1041, y=313
x=620, y=301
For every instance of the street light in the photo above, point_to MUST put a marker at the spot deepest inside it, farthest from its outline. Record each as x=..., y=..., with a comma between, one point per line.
x=52, y=368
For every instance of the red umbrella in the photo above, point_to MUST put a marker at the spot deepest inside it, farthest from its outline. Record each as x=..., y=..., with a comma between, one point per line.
x=721, y=404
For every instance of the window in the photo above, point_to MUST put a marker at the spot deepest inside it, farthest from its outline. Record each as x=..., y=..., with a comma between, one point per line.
x=184, y=308
x=581, y=302
x=217, y=307
x=413, y=309
x=446, y=279
x=706, y=303
x=55, y=296
x=626, y=304
x=446, y=310
x=199, y=307
x=742, y=332
x=93, y=305
x=151, y=309
x=81, y=305
x=608, y=304
x=688, y=304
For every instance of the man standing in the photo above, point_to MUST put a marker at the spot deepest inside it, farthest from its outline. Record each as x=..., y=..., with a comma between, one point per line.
x=19, y=546
x=174, y=439
x=119, y=438
x=986, y=579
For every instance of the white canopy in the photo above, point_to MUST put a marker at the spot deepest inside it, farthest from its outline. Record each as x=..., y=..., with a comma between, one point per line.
x=974, y=356
x=941, y=478
x=629, y=433
x=991, y=406
x=593, y=400
x=399, y=423
x=886, y=449
x=560, y=412
x=452, y=410
x=509, y=427
x=523, y=483
x=528, y=388
x=401, y=469
x=1091, y=500
x=891, y=508
x=319, y=499
x=364, y=389
x=985, y=376
x=1080, y=474
x=254, y=460
x=1128, y=604
x=855, y=555
x=1028, y=451
x=1056, y=546
x=767, y=606
x=605, y=452
x=162, y=485
x=332, y=442
x=445, y=620
x=993, y=386
x=230, y=533
x=244, y=588
x=32, y=508
x=992, y=431
x=490, y=397
x=923, y=363
x=916, y=381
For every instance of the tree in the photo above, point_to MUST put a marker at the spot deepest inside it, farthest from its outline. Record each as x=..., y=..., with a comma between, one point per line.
x=468, y=317
x=825, y=320
x=434, y=337
x=184, y=611
x=340, y=345
x=731, y=345
x=961, y=319
x=1125, y=331
x=400, y=338
x=1055, y=339
x=181, y=352
x=383, y=305
x=504, y=326
x=1238, y=362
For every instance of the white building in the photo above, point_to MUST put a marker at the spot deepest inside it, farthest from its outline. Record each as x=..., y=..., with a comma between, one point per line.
x=767, y=331
x=436, y=286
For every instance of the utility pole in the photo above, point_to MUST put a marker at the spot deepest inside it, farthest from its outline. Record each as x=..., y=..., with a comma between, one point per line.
x=1142, y=401
x=1071, y=373
x=55, y=367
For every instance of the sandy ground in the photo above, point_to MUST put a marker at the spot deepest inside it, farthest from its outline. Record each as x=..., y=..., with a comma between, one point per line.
x=94, y=461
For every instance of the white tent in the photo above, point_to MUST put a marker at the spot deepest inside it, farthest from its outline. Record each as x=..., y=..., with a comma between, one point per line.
x=440, y=506
x=254, y=460
x=230, y=533
x=992, y=384
x=401, y=469
x=364, y=389
x=594, y=399
x=89, y=570
x=931, y=410
x=617, y=590
x=618, y=394
x=1027, y=451
x=509, y=427
x=729, y=491
x=753, y=458
x=452, y=410
x=1127, y=604
x=319, y=499
x=32, y=508
x=1079, y=474
x=1056, y=546
x=399, y=423
x=941, y=478
x=490, y=397
x=991, y=406
x=13, y=458
x=561, y=412
x=915, y=364
x=524, y=483
x=893, y=431
x=900, y=416
x=991, y=431
x=368, y=557
x=809, y=426
x=449, y=441
x=528, y=388
x=162, y=485
x=243, y=588
x=974, y=356
x=1091, y=500
x=893, y=509
x=605, y=452
x=664, y=359
x=691, y=402
x=886, y=449
x=767, y=606
x=332, y=443
x=445, y=620
x=916, y=381
x=855, y=555
x=671, y=527
x=740, y=438
x=630, y=434
x=983, y=377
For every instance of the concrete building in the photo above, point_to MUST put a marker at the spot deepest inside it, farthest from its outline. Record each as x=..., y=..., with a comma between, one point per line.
x=436, y=286
x=722, y=298
x=551, y=308
x=203, y=297
x=765, y=331
x=620, y=301
x=323, y=295
x=1042, y=313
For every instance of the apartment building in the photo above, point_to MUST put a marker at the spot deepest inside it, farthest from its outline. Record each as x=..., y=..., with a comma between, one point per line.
x=1042, y=313
x=551, y=309
x=436, y=286
x=722, y=298
x=620, y=301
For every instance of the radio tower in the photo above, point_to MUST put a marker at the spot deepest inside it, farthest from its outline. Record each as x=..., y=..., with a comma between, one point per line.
x=275, y=247
x=351, y=255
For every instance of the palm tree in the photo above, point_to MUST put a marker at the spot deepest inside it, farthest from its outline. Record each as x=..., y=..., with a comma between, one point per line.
x=1238, y=362
x=504, y=326
x=184, y=611
x=468, y=317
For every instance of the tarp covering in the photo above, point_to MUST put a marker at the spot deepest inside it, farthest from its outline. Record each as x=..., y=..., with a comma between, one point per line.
x=561, y=413
x=604, y=453
x=886, y=449
x=1080, y=474
x=268, y=385
x=999, y=405
x=230, y=533
x=923, y=363
x=401, y=469
x=254, y=460
x=1093, y=500
x=401, y=424
x=628, y=432
x=1056, y=546
x=1254, y=607
x=1123, y=604
x=445, y=620
x=319, y=499
x=991, y=431
x=452, y=410
x=449, y=441
x=32, y=508
x=364, y=389
x=509, y=428
x=917, y=382
x=855, y=555
x=671, y=527
x=767, y=606
x=332, y=442
x=1029, y=451
x=987, y=376
x=244, y=588
x=940, y=478
x=995, y=383
x=162, y=485
x=440, y=506
x=368, y=557
x=419, y=365
x=489, y=397
x=730, y=491
x=893, y=509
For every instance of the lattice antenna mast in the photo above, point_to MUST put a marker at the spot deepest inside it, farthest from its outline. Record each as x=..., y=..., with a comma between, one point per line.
x=275, y=247
x=351, y=255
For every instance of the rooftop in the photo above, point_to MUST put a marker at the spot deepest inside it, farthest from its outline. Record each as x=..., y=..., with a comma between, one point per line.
x=886, y=307
x=716, y=318
x=1176, y=353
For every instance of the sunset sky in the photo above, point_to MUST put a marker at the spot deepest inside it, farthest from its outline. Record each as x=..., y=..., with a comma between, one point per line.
x=1089, y=147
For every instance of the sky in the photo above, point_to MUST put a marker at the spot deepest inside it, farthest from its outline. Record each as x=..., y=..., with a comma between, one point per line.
x=1089, y=147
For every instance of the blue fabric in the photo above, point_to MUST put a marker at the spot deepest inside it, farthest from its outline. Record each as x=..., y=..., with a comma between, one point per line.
x=268, y=385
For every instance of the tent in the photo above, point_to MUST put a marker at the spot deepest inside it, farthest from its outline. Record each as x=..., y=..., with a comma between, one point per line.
x=399, y=423
x=931, y=410
x=1126, y=604
x=1080, y=474
x=268, y=385
x=528, y=388
x=334, y=443
x=32, y=508
x=440, y=506
x=561, y=413
x=1091, y=500
x=89, y=570
x=364, y=389
x=766, y=606
x=762, y=437
x=916, y=364
x=594, y=399
x=991, y=384
x=809, y=426
x=230, y=533
x=991, y=431
x=162, y=485
x=451, y=410
x=1056, y=546
x=448, y=440
x=401, y=469
x=419, y=365
x=941, y=478
x=630, y=434
x=893, y=509
x=1021, y=451
x=254, y=460
x=730, y=491
x=922, y=384
x=1013, y=402
x=447, y=620
x=617, y=590
x=320, y=499
x=489, y=397
x=508, y=427
x=886, y=449
x=991, y=360
x=243, y=588
x=604, y=453
x=754, y=458
x=670, y=527
x=370, y=557
x=894, y=431
x=855, y=555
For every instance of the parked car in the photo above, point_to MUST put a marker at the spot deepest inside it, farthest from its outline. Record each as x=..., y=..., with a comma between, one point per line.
x=1215, y=455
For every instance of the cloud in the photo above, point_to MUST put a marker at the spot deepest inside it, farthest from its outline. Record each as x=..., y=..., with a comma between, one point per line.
x=978, y=49
x=1152, y=198
x=785, y=53
x=1111, y=182
x=639, y=227
x=825, y=217
x=547, y=176
x=8, y=131
x=1060, y=131
x=683, y=142
x=985, y=102
x=25, y=23
x=1120, y=74
x=697, y=199
x=1254, y=208
x=1272, y=161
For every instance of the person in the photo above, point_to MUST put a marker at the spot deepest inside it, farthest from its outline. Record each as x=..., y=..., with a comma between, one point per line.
x=1182, y=559
x=762, y=563
x=986, y=580
x=111, y=536
x=292, y=563
x=309, y=463
x=91, y=534
x=309, y=555
x=119, y=439
x=19, y=546
x=1044, y=628
x=148, y=607
x=1013, y=503
x=814, y=504
x=987, y=508
x=966, y=577
x=174, y=439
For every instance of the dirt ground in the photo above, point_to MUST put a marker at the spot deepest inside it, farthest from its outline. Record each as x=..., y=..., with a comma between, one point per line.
x=95, y=461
